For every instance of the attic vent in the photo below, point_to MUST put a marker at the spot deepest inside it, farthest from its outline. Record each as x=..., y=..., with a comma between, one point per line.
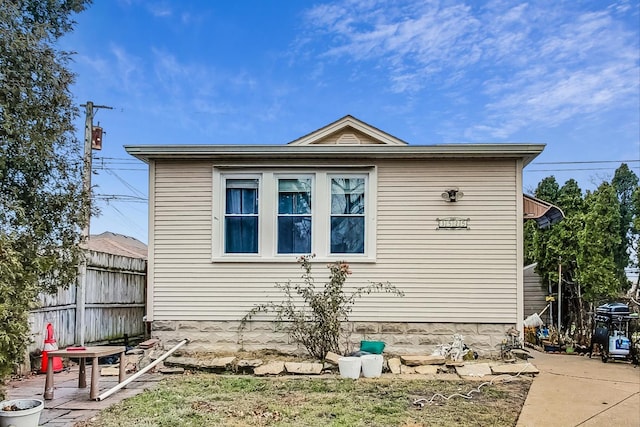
x=348, y=139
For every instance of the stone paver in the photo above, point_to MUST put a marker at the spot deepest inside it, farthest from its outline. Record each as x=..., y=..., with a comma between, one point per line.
x=305, y=368
x=426, y=369
x=273, y=368
x=474, y=370
x=411, y=360
x=514, y=369
x=70, y=403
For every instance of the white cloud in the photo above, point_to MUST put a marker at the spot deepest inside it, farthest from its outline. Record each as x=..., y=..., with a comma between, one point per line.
x=541, y=63
x=159, y=10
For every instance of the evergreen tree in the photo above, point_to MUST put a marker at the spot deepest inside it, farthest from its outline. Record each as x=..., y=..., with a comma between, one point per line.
x=625, y=183
x=598, y=241
x=41, y=199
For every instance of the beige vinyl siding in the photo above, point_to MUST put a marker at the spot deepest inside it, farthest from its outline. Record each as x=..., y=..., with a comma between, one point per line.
x=447, y=275
x=349, y=137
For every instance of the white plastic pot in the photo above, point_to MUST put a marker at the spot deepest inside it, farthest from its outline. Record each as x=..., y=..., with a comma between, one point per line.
x=371, y=365
x=27, y=413
x=349, y=367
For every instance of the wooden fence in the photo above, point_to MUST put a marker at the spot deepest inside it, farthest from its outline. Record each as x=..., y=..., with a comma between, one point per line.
x=113, y=303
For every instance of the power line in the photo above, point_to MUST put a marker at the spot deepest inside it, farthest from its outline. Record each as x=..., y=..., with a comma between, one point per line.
x=585, y=162
x=120, y=197
x=568, y=170
x=125, y=183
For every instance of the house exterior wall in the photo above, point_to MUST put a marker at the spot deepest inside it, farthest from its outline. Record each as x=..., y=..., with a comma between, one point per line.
x=455, y=280
x=534, y=293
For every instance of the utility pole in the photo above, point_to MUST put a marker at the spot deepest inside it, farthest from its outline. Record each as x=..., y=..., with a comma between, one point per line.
x=559, y=295
x=84, y=239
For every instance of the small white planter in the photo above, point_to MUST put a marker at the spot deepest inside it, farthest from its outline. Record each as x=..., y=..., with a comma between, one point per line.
x=349, y=367
x=27, y=413
x=372, y=365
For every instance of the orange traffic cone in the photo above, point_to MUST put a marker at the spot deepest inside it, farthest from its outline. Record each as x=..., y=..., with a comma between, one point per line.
x=50, y=345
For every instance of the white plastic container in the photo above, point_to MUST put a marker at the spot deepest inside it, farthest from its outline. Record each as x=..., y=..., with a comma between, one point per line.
x=371, y=365
x=350, y=367
x=619, y=345
x=28, y=414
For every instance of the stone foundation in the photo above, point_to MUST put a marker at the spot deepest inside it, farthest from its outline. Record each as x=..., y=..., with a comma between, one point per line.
x=399, y=337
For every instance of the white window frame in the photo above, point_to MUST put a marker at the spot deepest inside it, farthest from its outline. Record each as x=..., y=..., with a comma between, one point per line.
x=219, y=214
x=268, y=211
x=365, y=177
x=314, y=218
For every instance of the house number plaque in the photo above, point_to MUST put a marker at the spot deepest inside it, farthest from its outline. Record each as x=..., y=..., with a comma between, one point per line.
x=453, y=223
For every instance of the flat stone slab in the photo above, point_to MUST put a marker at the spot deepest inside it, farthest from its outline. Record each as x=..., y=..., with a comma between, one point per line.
x=192, y=362
x=426, y=369
x=404, y=369
x=422, y=360
x=222, y=362
x=304, y=368
x=474, y=370
x=332, y=357
x=395, y=365
x=110, y=371
x=249, y=363
x=149, y=343
x=514, y=369
x=172, y=371
x=273, y=368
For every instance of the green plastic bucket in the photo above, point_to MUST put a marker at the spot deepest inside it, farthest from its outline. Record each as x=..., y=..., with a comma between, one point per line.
x=373, y=347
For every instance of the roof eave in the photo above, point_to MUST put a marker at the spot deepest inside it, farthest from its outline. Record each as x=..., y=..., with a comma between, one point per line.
x=526, y=152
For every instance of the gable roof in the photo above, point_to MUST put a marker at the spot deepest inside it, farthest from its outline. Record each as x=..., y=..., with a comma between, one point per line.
x=117, y=244
x=347, y=138
x=348, y=131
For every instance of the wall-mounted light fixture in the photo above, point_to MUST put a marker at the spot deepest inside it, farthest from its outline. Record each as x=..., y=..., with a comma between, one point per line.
x=452, y=195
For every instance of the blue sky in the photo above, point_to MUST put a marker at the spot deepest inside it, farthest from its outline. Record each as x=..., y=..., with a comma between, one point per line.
x=563, y=73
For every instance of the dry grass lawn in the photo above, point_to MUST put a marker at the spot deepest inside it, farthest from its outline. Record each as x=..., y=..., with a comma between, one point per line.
x=231, y=400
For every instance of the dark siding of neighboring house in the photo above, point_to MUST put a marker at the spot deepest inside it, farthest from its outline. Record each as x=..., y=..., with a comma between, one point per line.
x=534, y=293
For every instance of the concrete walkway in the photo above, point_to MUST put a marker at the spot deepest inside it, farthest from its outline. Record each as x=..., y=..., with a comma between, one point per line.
x=71, y=404
x=574, y=390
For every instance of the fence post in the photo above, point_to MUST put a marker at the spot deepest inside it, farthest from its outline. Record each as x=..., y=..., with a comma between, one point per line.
x=80, y=300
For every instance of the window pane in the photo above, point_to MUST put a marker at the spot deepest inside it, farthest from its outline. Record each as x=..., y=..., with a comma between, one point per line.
x=234, y=201
x=249, y=201
x=241, y=235
x=294, y=235
x=347, y=235
x=294, y=196
x=294, y=216
x=241, y=220
x=347, y=196
x=242, y=196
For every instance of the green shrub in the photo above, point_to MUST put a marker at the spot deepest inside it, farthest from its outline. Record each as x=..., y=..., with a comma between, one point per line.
x=314, y=316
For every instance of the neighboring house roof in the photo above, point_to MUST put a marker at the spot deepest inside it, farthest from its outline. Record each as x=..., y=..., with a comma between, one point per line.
x=117, y=244
x=347, y=138
x=543, y=212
